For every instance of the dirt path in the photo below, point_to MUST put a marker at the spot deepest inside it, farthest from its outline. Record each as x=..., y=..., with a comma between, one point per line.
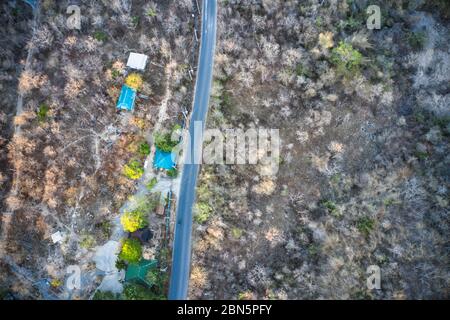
x=7, y=216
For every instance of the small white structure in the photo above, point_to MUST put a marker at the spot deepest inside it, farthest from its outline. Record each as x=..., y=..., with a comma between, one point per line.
x=57, y=237
x=137, y=61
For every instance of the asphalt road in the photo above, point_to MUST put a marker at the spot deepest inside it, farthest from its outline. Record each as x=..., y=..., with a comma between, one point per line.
x=181, y=259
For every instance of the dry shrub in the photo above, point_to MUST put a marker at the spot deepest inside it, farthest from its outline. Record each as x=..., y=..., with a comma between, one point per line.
x=41, y=226
x=88, y=45
x=119, y=66
x=91, y=182
x=51, y=186
x=73, y=88
x=21, y=144
x=272, y=234
x=214, y=236
x=336, y=147
x=320, y=163
x=49, y=151
x=70, y=195
x=70, y=41
x=265, y=187
x=14, y=202
x=201, y=246
x=113, y=92
x=199, y=277
x=24, y=118
x=326, y=40
x=30, y=187
x=138, y=122
x=43, y=38
x=29, y=81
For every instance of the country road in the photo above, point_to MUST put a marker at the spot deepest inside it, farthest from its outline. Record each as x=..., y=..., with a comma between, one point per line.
x=181, y=259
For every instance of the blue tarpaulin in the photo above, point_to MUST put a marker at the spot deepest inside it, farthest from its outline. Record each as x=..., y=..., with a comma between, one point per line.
x=164, y=160
x=126, y=99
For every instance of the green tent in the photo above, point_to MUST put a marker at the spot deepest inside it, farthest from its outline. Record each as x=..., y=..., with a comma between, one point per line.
x=137, y=272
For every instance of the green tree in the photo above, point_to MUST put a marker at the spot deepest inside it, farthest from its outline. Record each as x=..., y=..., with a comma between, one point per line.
x=365, y=225
x=107, y=295
x=133, y=220
x=331, y=207
x=417, y=40
x=100, y=36
x=173, y=173
x=144, y=149
x=121, y=264
x=131, y=251
x=134, y=291
x=158, y=279
x=42, y=112
x=347, y=60
x=153, y=275
x=164, y=142
x=203, y=212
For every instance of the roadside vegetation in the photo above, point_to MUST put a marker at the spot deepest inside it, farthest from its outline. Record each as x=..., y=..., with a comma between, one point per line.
x=166, y=141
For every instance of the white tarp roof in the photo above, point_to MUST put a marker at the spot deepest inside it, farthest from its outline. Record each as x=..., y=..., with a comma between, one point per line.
x=137, y=61
x=57, y=237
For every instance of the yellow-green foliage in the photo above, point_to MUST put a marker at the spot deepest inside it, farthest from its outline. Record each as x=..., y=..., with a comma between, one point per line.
x=134, y=80
x=55, y=283
x=347, y=59
x=236, y=232
x=134, y=220
x=133, y=170
x=131, y=251
x=203, y=211
x=152, y=183
x=87, y=242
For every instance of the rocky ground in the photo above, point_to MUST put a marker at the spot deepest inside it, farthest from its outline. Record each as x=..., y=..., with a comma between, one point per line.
x=364, y=166
x=63, y=153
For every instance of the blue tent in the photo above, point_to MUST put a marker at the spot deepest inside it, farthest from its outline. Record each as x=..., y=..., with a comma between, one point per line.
x=127, y=98
x=32, y=3
x=164, y=160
